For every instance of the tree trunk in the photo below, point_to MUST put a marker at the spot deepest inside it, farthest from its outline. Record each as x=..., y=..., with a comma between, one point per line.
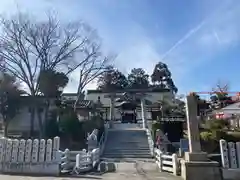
x=6, y=129
x=40, y=123
x=32, y=119
x=45, y=118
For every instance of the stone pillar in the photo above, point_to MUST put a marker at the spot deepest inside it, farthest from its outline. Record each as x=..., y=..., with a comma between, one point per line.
x=192, y=125
x=195, y=164
x=143, y=109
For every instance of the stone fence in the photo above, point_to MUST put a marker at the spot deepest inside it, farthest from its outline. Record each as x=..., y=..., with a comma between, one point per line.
x=43, y=157
x=30, y=156
x=230, y=157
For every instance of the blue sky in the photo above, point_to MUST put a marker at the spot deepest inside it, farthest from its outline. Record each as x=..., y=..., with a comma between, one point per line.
x=198, y=39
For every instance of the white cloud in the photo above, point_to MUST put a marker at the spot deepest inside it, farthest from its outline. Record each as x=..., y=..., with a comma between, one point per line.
x=132, y=44
x=223, y=30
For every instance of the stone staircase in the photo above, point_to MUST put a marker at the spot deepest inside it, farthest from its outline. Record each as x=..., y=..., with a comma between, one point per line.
x=127, y=144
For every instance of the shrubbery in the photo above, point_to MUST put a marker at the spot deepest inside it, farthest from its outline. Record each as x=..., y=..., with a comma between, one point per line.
x=71, y=130
x=216, y=129
x=217, y=124
x=52, y=126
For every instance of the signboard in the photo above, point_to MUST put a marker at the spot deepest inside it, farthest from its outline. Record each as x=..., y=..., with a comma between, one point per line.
x=184, y=145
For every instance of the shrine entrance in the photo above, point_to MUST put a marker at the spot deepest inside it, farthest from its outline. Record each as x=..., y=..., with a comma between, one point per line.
x=128, y=112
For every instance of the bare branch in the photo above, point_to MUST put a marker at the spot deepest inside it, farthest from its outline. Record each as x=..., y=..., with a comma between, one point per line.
x=28, y=46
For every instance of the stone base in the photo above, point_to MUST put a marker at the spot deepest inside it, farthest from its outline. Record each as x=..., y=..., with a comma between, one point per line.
x=200, y=170
x=233, y=174
x=199, y=156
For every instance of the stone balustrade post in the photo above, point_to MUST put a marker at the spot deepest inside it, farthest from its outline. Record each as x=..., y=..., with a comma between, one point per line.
x=143, y=110
x=175, y=164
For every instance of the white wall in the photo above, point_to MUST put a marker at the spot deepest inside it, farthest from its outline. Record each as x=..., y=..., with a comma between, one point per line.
x=151, y=96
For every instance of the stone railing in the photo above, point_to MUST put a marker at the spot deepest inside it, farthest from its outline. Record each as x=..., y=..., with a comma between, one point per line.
x=30, y=156
x=65, y=165
x=167, y=163
x=72, y=159
x=103, y=139
x=86, y=161
x=150, y=141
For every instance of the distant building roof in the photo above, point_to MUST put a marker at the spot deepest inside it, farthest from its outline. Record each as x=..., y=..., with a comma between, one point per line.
x=230, y=109
x=130, y=90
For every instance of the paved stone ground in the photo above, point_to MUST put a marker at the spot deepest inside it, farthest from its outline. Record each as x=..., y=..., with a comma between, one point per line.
x=108, y=176
x=125, y=171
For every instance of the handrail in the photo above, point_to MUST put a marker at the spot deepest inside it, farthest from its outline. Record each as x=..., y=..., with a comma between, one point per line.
x=150, y=141
x=103, y=138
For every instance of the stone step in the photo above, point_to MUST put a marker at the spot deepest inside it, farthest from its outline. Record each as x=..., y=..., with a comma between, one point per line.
x=128, y=142
x=127, y=138
x=127, y=156
x=146, y=154
x=152, y=160
x=131, y=141
x=113, y=148
x=127, y=150
x=124, y=134
x=124, y=144
x=136, y=145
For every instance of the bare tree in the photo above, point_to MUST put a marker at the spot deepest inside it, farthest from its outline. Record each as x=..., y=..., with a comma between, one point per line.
x=221, y=87
x=94, y=65
x=220, y=95
x=28, y=46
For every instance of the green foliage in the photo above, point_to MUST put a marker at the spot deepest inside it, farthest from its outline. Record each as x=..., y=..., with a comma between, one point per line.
x=206, y=136
x=52, y=126
x=138, y=79
x=112, y=80
x=214, y=135
x=219, y=134
x=162, y=77
x=96, y=122
x=51, y=82
x=215, y=130
x=217, y=124
x=10, y=100
x=69, y=125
